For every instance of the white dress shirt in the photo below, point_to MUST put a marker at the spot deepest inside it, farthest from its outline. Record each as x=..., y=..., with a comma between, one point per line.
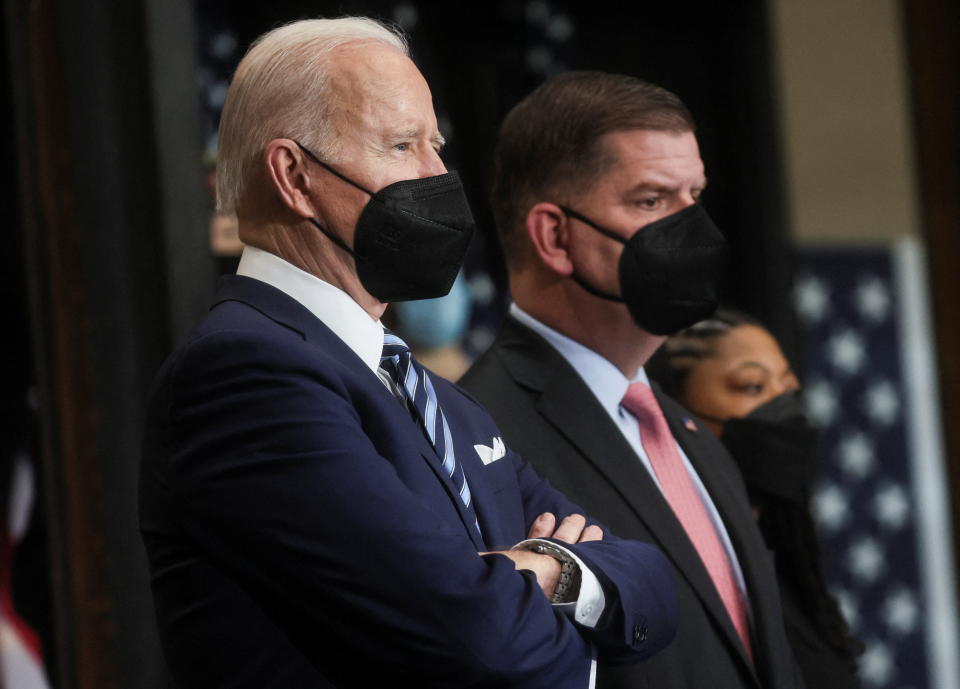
x=364, y=335
x=335, y=308
x=609, y=385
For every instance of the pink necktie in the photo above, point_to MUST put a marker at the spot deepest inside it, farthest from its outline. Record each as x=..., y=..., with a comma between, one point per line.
x=678, y=489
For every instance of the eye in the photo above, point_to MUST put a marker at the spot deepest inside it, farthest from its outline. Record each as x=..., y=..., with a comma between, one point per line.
x=750, y=388
x=649, y=203
x=401, y=147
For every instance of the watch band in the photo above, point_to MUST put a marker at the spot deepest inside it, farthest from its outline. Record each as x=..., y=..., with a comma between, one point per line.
x=568, y=586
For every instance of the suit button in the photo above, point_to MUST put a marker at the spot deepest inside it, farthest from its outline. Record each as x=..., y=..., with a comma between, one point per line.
x=639, y=634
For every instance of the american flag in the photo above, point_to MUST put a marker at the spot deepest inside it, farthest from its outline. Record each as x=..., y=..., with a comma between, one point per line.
x=879, y=500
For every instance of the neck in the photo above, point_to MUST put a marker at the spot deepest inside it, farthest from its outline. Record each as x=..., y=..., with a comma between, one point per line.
x=600, y=325
x=306, y=248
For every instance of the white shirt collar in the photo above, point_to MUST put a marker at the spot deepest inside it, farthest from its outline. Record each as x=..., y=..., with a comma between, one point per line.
x=334, y=307
x=605, y=380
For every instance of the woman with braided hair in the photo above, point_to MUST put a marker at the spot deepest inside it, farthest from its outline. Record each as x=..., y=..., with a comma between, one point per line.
x=730, y=371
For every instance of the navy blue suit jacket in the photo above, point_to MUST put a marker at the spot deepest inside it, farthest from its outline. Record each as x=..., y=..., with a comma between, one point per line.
x=300, y=530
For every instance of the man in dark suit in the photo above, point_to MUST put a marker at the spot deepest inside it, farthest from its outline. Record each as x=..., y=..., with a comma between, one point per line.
x=317, y=509
x=596, y=190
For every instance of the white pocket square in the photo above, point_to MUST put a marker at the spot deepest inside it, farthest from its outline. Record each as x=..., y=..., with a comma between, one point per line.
x=491, y=454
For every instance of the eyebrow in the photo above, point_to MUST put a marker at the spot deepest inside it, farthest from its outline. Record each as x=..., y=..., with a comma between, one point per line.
x=754, y=364
x=414, y=133
x=661, y=188
x=765, y=369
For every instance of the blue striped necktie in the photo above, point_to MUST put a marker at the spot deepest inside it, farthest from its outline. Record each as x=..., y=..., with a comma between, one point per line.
x=417, y=389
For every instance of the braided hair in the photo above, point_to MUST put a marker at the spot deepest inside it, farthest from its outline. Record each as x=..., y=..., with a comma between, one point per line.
x=672, y=363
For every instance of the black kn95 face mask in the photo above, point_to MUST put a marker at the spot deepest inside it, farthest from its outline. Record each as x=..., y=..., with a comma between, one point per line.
x=668, y=270
x=411, y=237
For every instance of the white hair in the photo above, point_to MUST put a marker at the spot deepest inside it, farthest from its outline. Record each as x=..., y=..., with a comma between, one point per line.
x=281, y=89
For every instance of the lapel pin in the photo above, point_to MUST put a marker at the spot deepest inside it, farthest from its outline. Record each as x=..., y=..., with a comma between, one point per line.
x=689, y=424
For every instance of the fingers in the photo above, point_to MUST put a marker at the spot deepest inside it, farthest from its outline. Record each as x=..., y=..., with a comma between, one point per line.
x=591, y=533
x=543, y=526
x=570, y=528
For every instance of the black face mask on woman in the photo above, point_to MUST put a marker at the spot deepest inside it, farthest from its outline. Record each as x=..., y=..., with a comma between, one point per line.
x=775, y=447
x=668, y=270
x=410, y=238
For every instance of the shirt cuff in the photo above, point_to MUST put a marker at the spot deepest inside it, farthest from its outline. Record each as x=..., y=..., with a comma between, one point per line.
x=590, y=603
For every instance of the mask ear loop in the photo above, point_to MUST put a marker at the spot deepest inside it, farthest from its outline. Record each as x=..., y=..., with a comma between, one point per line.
x=330, y=235
x=602, y=230
x=594, y=291
x=590, y=289
x=331, y=169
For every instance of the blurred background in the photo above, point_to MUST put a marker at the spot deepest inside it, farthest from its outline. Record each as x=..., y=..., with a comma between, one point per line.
x=831, y=134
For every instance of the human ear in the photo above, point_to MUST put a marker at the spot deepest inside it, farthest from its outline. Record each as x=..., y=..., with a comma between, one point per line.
x=546, y=226
x=290, y=176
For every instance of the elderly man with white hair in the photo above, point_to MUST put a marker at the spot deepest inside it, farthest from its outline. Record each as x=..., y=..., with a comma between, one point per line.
x=319, y=510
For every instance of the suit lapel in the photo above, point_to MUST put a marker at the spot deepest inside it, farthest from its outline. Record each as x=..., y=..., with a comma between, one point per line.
x=426, y=450
x=430, y=456
x=288, y=312
x=567, y=403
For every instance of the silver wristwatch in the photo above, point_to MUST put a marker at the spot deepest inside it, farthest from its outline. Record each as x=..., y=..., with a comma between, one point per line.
x=568, y=587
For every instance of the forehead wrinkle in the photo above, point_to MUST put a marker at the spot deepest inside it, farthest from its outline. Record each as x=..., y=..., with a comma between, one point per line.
x=645, y=173
x=659, y=184
x=650, y=186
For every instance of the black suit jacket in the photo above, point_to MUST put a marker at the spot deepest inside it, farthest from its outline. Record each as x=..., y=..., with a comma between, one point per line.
x=549, y=415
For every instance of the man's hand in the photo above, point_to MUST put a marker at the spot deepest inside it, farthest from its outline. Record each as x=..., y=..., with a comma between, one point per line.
x=572, y=529
x=544, y=567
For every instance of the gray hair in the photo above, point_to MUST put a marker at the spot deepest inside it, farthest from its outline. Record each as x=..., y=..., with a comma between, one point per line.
x=281, y=89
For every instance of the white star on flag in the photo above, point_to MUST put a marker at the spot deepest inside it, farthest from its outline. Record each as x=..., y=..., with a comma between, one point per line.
x=881, y=403
x=821, y=400
x=865, y=559
x=830, y=507
x=876, y=664
x=812, y=299
x=845, y=351
x=891, y=506
x=856, y=455
x=901, y=612
x=872, y=299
